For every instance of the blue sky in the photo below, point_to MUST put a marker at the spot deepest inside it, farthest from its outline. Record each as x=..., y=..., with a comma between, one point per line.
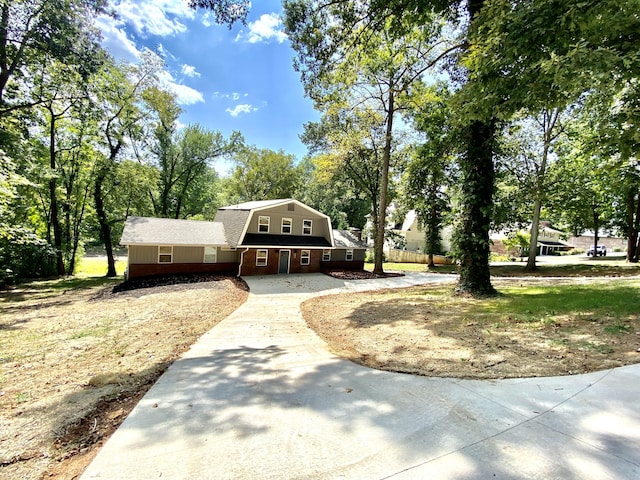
x=239, y=79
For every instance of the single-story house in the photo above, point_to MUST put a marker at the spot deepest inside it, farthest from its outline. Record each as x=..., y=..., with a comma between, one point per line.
x=253, y=238
x=550, y=240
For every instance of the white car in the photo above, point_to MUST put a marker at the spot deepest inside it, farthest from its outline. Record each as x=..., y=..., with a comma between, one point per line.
x=600, y=251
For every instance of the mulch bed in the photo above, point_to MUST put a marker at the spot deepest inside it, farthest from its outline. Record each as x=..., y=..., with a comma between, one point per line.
x=164, y=280
x=359, y=274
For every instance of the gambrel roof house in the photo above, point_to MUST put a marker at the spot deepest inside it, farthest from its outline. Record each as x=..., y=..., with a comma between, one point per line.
x=253, y=238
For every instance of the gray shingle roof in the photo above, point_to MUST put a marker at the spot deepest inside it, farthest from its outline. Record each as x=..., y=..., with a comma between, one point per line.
x=166, y=231
x=346, y=239
x=234, y=222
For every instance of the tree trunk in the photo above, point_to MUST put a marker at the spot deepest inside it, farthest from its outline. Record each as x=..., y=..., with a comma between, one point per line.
x=105, y=228
x=633, y=222
x=533, y=242
x=384, y=187
x=53, y=197
x=477, y=201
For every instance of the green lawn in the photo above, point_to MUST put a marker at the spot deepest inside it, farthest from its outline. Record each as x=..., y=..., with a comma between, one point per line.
x=588, y=268
x=97, y=267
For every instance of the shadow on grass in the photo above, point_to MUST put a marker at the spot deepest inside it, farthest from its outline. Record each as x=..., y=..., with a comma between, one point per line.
x=571, y=270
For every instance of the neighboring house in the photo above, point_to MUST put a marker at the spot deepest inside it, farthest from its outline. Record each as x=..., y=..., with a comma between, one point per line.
x=550, y=240
x=414, y=236
x=253, y=238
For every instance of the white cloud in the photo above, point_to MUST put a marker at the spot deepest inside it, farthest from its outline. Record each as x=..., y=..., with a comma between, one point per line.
x=185, y=95
x=116, y=41
x=229, y=96
x=268, y=26
x=189, y=71
x=208, y=19
x=241, y=108
x=164, y=53
x=153, y=16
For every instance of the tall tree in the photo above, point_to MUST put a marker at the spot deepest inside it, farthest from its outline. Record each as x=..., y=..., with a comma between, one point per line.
x=527, y=155
x=118, y=91
x=262, y=174
x=351, y=147
x=349, y=73
x=429, y=177
x=182, y=156
x=58, y=29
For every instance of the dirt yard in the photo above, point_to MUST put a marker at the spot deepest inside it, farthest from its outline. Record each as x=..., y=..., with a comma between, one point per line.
x=76, y=356
x=429, y=331
x=74, y=362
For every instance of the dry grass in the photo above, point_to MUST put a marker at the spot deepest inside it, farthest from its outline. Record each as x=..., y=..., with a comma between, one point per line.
x=532, y=329
x=76, y=357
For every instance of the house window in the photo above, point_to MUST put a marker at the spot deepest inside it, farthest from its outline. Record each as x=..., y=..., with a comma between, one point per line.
x=349, y=255
x=305, y=257
x=210, y=254
x=165, y=254
x=261, y=258
x=286, y=225
x=263, y=224
x=326, y=255
x=307, y=227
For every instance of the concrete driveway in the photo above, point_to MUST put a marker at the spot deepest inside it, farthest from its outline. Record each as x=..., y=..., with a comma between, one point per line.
x=261, y=397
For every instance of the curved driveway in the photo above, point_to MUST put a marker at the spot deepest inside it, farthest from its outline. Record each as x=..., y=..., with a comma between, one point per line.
x=261, y=397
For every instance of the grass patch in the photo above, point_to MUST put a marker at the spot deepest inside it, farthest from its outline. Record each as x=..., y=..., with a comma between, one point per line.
x=97, y=267
x=606, y=301
x=530, y=329
x=588, y=268
x=413, y=267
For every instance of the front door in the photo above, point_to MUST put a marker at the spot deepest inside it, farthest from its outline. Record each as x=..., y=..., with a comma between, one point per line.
x=283, y=265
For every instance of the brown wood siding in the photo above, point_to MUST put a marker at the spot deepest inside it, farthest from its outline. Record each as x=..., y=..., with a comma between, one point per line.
x=146, y=270
x=249, y=263
x=315, y=259
x=249, y=266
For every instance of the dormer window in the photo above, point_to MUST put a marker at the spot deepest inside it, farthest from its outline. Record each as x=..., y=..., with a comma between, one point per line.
x=307, y=227
x=263, y=224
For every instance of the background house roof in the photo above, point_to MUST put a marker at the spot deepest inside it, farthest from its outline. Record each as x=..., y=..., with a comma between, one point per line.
x=346, y=239
x=167, y=231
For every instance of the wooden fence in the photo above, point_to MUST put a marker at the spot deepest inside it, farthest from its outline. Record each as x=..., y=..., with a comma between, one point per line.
x=404, y=256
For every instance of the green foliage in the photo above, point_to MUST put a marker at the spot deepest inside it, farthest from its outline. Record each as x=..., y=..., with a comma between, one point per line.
x=262, y=174
x=333, y=194
x=517, y=243
x=430, y=175
x=225, y=11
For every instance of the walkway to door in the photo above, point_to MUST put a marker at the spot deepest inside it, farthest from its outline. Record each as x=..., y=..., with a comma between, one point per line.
x=261, y=397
